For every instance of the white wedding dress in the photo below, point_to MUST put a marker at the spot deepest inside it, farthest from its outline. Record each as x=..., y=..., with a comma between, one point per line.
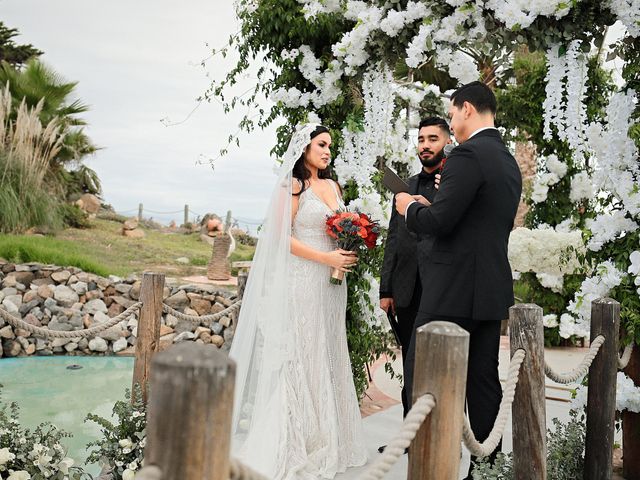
x=311, y=427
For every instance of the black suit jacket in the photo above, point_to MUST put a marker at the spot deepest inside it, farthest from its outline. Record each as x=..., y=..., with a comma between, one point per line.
x=403, y=251
x=468, y=274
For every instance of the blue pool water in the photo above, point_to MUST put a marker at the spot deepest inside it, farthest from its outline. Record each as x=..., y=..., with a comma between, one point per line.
x=49, y=392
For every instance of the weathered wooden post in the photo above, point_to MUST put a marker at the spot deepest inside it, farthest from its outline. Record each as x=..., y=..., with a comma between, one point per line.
x=631, y=424
x=148, y=339
x=190, y=411
x=139, y=212
x=528, y=409
x=443, y=348
x=601, y=397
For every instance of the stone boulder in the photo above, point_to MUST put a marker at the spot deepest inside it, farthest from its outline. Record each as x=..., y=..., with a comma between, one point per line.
x=65, y=296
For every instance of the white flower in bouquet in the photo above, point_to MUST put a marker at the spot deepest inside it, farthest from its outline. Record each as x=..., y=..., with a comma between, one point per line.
x=5, y=456
x=569, y=327
x=550, y=320
x=18, y=475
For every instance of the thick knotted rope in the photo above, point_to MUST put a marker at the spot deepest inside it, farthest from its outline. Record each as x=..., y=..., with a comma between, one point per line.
x=490, y=444
x=582, y=369
x=623, y=361
x=395, y=449
x=204, y=318
x=84, y=333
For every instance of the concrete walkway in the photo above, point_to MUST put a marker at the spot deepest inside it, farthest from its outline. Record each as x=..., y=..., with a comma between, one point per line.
x=385, y=399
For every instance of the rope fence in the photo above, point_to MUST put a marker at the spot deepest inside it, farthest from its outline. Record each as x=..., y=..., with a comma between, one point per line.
x=396, y=447
x=214, y=317
x=84, y=333
x=489, y=445
x=623, y=361
x=581, y=370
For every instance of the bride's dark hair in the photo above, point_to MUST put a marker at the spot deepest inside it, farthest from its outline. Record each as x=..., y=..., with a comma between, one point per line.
x=300, y=170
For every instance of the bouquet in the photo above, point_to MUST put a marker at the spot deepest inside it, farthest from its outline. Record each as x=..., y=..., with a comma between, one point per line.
x=352, y=231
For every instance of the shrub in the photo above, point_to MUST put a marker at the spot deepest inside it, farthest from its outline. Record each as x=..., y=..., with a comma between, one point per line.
x=121, y=448
x=36, y=454
x=565, y=454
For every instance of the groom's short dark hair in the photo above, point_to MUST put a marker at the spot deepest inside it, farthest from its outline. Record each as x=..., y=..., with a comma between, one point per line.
x=477, y=94
x=435, y=121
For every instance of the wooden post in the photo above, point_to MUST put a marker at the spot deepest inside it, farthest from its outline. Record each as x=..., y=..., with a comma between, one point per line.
x=190, y=411
x=631, y=424
x=139, y=212
x=151, y=292
x=601, y=397
x=528, y=410
x=186, y=214
x=442, y=348
x=243, y=275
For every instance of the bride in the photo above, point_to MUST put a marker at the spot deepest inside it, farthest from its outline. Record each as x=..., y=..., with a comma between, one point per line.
x=296, y=414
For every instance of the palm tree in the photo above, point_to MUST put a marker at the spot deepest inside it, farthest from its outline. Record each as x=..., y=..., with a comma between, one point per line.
x=36, y=83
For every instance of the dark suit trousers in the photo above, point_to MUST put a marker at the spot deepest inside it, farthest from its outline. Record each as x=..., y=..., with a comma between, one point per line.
x=406, y=320
x=484, y=391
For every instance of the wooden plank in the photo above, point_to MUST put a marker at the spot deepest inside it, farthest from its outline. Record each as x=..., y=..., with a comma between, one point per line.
x=442, y=350
x=528, y=410
x=601, y=397
x=148, y=340
x=190, y=411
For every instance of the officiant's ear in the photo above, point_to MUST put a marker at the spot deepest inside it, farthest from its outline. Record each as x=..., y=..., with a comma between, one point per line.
x=468, y=109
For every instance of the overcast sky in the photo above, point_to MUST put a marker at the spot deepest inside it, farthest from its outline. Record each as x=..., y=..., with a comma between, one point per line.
x=138, y=63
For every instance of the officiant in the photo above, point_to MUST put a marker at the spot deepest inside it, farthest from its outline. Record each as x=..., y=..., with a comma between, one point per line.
x=400, y=285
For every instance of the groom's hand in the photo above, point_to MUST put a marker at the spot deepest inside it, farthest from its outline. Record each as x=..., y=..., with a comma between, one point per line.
x=402, y=202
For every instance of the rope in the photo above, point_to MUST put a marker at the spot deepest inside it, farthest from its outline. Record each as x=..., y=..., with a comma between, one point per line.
x=582, y=369
x=239, y=471
x=395, y=449
x=84, y=333
x=489, y=445
x=204, y=318
x=623, y=361
x=149, y=472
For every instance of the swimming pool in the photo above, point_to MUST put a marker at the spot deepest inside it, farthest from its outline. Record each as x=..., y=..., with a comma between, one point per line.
x=47, y=390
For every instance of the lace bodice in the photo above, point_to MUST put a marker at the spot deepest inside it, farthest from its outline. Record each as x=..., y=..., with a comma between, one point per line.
x=309, y=224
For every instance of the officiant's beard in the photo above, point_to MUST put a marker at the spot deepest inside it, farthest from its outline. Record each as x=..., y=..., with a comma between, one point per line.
x=433, y=161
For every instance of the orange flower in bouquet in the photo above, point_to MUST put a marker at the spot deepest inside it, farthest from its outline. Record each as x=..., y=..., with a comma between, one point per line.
x=352, y=231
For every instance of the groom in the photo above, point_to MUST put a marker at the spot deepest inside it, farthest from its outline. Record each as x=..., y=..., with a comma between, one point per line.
x=467, y=277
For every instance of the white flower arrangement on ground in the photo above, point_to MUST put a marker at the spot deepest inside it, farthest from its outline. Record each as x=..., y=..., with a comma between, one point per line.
x=539, y=251
x=33, y=454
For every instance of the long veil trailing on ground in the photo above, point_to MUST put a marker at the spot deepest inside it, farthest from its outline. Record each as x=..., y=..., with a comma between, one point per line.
x=264, y=338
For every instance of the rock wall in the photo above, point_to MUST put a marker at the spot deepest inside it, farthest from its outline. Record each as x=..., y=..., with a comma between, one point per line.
x=69, y=299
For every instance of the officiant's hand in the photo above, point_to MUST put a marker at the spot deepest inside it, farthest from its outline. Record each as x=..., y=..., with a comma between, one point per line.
x=402, y=201
x=388, y=303
x=341, y=259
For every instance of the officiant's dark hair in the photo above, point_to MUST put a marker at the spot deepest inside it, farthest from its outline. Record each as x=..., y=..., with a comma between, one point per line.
x=300, y=170
x=435, y=121
x=477, y=94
